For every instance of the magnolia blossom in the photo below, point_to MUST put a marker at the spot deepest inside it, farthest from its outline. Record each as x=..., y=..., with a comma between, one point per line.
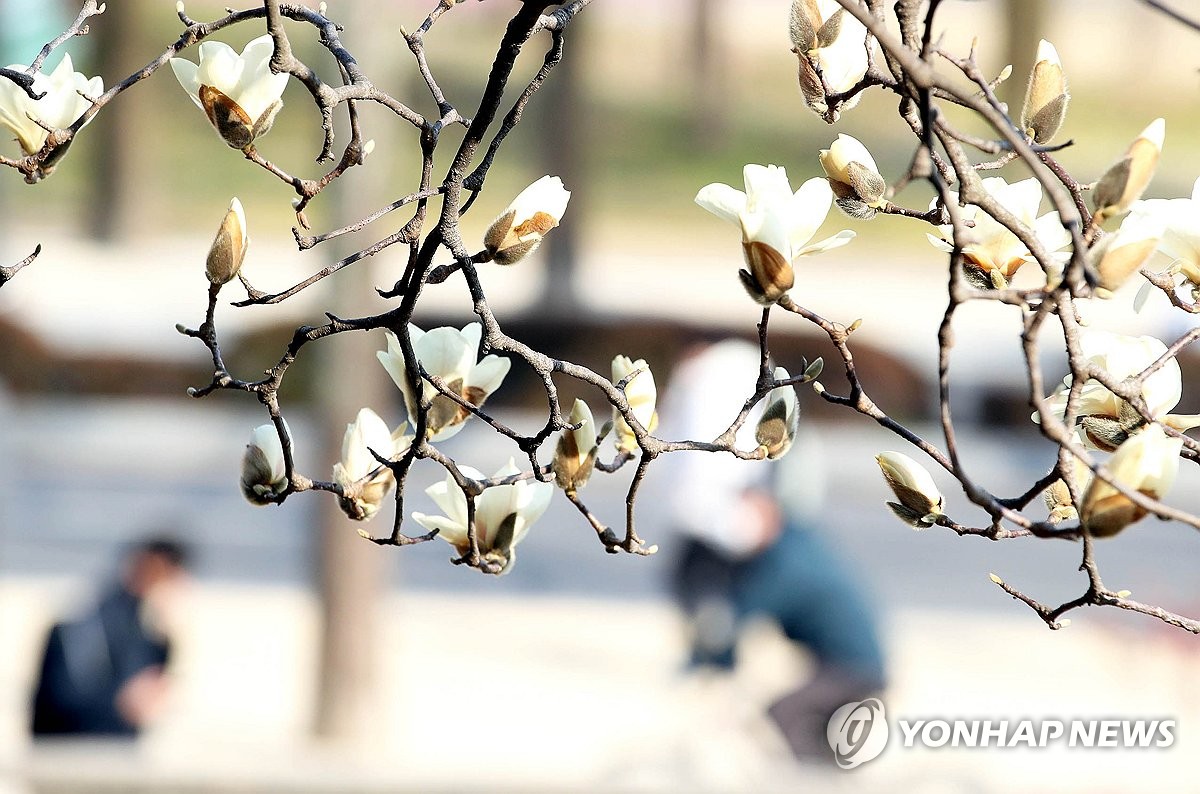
x=1118, y=256
x=776, y=429
x=1058, y=496
x=575, y=454
x=61, y=106
x=238, y=93
x=228, y=250
x=920, y=500
x=1107, y=419
x=1126, y=179
x=776, y=225
x=1146, y=463
x=363, y=478
x=1181, y=229
x=264, y=471
x=519, y=230
x=854, y=177
x=1046, y=96
x=451, y=355
x=831, y=45
x=640, y=393
x=994, y=254
x=503, y=514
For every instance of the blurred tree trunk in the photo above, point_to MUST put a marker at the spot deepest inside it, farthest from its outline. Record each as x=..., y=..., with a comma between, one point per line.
x=1028, y=21
x=351, y=571
x=561, y=112
x=116, y=39
x=706, y=78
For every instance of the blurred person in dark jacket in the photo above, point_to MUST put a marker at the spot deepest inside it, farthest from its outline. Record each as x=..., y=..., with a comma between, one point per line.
x=103, y=674
x=747, y=550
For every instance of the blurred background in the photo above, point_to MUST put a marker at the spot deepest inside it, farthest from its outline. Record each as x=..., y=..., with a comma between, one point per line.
x=312, y=661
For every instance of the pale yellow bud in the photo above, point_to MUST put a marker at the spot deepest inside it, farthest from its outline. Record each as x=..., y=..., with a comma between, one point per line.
x=1046, y=96
x=1127, y=179
x=920, y=501
x=1147, y=463
x=229, y=247
x=852, y=172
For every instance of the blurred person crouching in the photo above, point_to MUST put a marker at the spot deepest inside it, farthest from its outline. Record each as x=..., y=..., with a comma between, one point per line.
x=746, y=550
x=103, y=674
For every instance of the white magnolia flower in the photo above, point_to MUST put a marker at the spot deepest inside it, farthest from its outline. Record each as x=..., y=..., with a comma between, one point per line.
x=776, y=225
x=503, y=514
x=575, y=454
x=367, y=432
x=61, y=106
x=1046, y=96
x=238, y=93
x=994, y=253
x=852, y=173
x=520, y=228
x=831, y=45
x=264, y=471
x=920, y=501
x=450, y=354
x=640, y=393
x=1107, y=419
x=228, y=250
x=1121, y=254
x=1181, y=230
x=780, y=420
x=1147, y=462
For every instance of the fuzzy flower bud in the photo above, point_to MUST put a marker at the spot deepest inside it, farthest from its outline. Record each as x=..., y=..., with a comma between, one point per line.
x=1046, y=96
x=857, y=184
x=520, y=228
x=1147, y=463
x=229, y=247
x=831, y=45
x=920, y=501
x=575, y=454
x=1126, y=179
x=776, y=429
x=264, y=471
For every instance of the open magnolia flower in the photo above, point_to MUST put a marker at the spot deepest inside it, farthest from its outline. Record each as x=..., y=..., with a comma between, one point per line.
x=264, y=470
x=776, y=225
x=1147, y=463
x=450, y=354
x=831, y=45
x=503, y=514
x=641, y=394
x=575, y=453
x=61, y=106
x=776, y=428
x=1180, y=240
x=994, y=254
x=238, y=93
x=365, y=480
x=1107, y=420
x=520, y=228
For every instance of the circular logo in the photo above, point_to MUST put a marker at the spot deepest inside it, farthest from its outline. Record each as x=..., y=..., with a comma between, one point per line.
x=857, y=732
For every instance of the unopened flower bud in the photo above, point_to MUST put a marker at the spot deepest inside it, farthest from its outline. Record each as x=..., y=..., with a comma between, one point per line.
x=780, y=419
x=1126, y=179
x=1046, y=96
x=575, y=455
x=364, y=480
x=920, y=501
x=853, y=174
x=520, y=228
x=229, y=247
x=264, y=471
x=1146, y=463
x=640, y=393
